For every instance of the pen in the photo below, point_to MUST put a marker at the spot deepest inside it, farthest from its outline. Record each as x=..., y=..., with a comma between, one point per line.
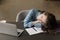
x=34, y=29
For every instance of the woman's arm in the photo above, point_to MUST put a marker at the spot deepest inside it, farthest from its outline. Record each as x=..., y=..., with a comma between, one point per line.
x=28, y=20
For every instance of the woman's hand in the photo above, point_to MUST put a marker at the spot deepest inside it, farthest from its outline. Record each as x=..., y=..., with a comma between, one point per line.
x=34, y=22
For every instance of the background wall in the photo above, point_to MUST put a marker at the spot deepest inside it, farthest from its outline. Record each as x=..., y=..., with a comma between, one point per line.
x=53, y=7
x=10, y=8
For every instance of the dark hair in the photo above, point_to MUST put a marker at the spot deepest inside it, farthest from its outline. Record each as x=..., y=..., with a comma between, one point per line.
x=41, y=11
x=50, y=23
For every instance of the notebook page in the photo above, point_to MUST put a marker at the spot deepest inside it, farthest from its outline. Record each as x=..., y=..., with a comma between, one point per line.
x=32, y=31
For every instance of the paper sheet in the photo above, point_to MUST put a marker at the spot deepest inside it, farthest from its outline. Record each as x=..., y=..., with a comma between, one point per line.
x=32, y=31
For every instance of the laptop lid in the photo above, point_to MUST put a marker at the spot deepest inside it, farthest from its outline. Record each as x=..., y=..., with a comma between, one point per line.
x=7, y=28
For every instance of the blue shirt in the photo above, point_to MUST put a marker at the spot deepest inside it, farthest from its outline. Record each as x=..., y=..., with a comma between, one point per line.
x=31, y=16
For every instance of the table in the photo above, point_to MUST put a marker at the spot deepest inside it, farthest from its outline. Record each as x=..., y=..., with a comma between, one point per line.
x=25, y=35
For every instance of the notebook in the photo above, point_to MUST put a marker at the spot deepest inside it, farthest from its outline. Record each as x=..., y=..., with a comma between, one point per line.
x=10, y=29
x=33, y=30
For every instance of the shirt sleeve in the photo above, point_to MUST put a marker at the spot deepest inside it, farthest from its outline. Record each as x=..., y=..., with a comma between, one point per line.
x=28, y=18
x=38, y=25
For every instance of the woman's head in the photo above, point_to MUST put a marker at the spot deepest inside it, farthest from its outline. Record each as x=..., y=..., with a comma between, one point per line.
x=48, y=20
x=42, y=17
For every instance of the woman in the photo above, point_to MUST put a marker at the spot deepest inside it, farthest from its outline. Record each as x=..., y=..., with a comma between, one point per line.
x=42, y=19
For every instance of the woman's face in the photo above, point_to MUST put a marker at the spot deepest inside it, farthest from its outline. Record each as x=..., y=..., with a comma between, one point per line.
x=42, y=18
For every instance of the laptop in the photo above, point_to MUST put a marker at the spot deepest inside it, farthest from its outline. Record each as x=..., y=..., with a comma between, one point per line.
x=10, y=29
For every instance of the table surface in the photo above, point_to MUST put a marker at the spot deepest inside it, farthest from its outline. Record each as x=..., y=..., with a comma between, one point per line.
x=44, y=36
